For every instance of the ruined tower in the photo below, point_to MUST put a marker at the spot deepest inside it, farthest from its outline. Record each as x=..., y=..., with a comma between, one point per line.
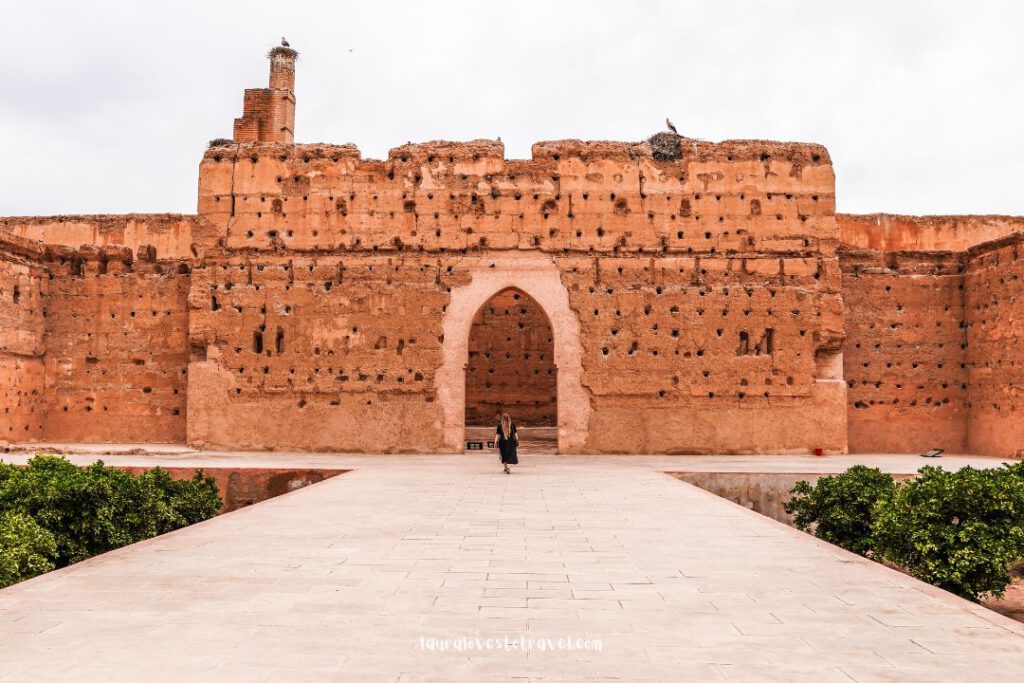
x=269, y=113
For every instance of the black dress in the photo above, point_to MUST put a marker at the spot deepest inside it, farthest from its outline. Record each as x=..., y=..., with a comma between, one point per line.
x=507, y=447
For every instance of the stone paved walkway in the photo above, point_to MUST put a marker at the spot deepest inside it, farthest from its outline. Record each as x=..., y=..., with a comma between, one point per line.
x=343, y=580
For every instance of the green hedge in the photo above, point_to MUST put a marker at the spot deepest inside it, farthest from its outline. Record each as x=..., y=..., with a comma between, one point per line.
x=25, y=548
x=958, y=530
x=85, y=511
x=840, y=508
x=961, y=530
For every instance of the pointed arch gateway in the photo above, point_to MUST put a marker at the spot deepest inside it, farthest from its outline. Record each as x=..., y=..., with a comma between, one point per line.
x=538, y=278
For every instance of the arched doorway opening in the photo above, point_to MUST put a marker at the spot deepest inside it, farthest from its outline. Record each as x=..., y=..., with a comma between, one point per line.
x=538, y=276
x=511, y=368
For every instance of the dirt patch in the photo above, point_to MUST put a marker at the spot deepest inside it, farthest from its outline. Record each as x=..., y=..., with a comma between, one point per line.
x=1011, y=604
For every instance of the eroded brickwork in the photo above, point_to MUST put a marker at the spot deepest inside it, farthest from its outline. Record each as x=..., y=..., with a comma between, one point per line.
x=729, y=198
x=904, y=361
x=994, y=283
x=697, y=355
x=268, y=114
x=511, y=364
x=887, y=232
x=655, y=256
x=168, y=236
x=116, y=356
x=23, y=286
x=316, y=351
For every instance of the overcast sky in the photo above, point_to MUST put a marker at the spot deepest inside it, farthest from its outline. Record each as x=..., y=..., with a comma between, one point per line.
x=107, y=107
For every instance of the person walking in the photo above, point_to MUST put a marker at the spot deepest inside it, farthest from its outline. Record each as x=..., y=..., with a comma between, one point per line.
x=506, y=439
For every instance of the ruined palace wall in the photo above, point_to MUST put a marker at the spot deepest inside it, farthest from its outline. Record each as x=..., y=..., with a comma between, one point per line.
x=887, y=232
x=171, y=235
x=745, y=197
x=511, y=364
x=705, y=289
x=707, y=355
x=905, y=351
x=994, y=312
x=116, y=354
x=23, y=286
x=304, y=352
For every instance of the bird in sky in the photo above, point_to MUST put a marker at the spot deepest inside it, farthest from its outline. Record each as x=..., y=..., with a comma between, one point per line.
x=671, y=127
x=284, y=43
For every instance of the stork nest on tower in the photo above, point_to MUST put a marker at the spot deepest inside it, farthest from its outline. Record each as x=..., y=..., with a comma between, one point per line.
x=284, y=51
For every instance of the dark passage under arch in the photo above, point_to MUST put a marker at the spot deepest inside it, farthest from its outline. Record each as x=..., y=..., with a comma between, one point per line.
x=511, y=364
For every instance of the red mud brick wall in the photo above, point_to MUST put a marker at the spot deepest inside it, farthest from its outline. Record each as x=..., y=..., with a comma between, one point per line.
x=511, y=364
x=22, y=302
x=610, y=198
x=116, y=357
x=994, y=307
x=705, y=355
x=689, y=255
x=316, y=352
x=886, y=232
x=171, y=235
x=904, y=355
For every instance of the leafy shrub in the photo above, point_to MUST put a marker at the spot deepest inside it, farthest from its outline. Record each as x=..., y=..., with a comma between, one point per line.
x=90, y=510
x=959, y=530
x=188, y=500
x=840, y=508
x=25, y=548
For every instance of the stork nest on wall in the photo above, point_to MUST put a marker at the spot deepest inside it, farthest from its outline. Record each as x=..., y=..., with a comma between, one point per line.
x=666, y=146
x=221, y=142
x=284, y=51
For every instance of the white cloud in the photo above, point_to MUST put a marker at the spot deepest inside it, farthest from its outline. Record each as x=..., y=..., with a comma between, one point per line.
x=108, y=106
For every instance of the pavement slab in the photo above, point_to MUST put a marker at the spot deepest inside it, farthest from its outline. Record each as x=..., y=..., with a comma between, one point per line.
x=423, y=568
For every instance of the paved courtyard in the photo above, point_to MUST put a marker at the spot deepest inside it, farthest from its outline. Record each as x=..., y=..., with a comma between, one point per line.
x=354, y=578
